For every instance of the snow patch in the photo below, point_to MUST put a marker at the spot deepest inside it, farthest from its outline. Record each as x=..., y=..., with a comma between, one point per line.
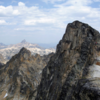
x=98, y=58
x=5, y=95
x=94, y=70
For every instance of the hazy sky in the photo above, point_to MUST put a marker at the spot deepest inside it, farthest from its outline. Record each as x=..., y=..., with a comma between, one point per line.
x=44, y=21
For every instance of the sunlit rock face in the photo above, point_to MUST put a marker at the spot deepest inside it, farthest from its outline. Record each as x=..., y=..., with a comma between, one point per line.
x=20, y=77
x=73, y=72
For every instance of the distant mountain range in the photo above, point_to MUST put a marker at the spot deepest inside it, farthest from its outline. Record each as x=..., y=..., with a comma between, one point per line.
x=10, y=50
x=2, y=46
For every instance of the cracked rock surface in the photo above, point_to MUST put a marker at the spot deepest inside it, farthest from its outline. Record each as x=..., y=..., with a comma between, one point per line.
x=73, y=72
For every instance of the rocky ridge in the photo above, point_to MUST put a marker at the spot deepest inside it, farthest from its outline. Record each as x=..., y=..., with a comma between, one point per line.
x=20, y=77
x=73, y=72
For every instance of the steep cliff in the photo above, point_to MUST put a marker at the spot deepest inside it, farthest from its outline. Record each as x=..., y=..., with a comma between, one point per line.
x=20, y=77
x=73, y=72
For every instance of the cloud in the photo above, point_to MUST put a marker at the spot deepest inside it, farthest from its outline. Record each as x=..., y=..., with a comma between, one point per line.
x=52, y=1
x=8, y=11
x=28, y=29
x=2, y=22
x=15, y=12
x=54, y=19
x=21, y=4
x=41, y=20
x=77, y=10
x=57, y=16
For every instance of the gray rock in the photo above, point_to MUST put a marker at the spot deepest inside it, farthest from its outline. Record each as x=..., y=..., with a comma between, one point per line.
x=73, y=71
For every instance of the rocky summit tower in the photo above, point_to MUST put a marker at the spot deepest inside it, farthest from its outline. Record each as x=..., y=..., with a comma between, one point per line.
x=73, y=72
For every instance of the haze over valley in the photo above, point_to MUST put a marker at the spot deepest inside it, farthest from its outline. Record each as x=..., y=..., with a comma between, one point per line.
x=8, y=51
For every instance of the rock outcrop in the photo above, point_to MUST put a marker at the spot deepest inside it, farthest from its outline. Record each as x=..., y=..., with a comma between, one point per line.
x=73, y=72
x=20, y=77
x=2, y=60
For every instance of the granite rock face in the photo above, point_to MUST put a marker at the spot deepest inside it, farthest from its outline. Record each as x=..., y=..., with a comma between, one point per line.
x=20, y=77
x=73, y=72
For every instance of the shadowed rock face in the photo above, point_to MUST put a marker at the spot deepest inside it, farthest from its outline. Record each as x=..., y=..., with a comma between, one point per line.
x=20, y=77
x=73, y=72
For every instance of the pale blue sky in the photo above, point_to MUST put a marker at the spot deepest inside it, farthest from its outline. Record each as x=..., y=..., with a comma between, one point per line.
x=44, y=21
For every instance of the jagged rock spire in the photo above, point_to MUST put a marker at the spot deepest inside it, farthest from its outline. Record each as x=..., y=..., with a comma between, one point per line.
x=73, y=72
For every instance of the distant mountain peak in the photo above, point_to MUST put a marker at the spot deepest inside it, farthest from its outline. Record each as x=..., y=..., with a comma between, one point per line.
x=2, y=44
x=24, y=41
